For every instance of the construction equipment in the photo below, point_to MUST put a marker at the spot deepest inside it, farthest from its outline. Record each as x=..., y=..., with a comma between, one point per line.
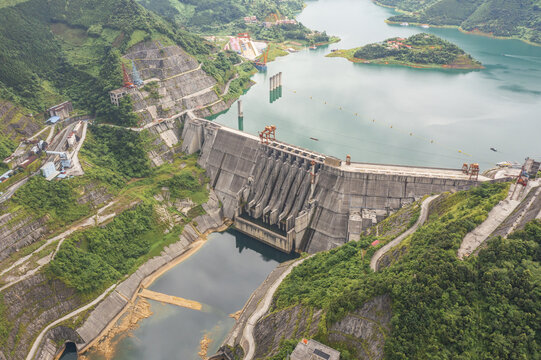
x=137, y=81
x=472, y=170
x=64, y=160
x=268, y=135
x=261, y=63
x=523, y=177
x=127, y=81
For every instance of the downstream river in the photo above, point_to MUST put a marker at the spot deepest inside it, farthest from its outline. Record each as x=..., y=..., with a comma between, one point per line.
x=221, y=275
x=446, y=111
x=434, y=114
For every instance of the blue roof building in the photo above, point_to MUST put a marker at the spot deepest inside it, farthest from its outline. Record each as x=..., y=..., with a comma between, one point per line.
x=53, y=120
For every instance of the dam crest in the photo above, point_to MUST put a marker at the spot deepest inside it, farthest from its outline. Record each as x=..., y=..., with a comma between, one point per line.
x=298, y=200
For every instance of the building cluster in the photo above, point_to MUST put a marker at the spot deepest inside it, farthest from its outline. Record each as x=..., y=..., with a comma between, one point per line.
x=243, y=45
x=250, y=20
x=397, y=44
x=286, y=21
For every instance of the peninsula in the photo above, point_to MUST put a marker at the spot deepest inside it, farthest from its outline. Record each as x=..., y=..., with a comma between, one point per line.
x=419, y=51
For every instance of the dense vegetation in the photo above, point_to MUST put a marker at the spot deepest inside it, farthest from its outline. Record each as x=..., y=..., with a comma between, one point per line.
x=419, y=49
x=509, y=18
x=55, y=50
x=215, y=15
x=7, y=146
x=95, y=258
x=55, y=198
x=226, y=17
x=485, y=307
x=118, y=150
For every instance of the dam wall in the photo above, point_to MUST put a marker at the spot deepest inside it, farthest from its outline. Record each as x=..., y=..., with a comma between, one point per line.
x=295, y=199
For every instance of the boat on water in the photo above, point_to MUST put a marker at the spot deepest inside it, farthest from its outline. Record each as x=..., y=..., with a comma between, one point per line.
x=404, y=24
x=509, y=164
x=425, y=26
x=313, y=47
x=313, y=138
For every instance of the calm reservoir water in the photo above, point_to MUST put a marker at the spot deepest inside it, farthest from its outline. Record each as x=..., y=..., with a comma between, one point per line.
x=221, y=275
x=471, y=112
x=434, y=114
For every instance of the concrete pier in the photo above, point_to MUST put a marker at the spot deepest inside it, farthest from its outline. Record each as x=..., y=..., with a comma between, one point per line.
x=241, y=116
x=295, y=199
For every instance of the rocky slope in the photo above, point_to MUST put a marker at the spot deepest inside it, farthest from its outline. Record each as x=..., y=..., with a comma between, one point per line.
x=14, y=123
x=174, y=82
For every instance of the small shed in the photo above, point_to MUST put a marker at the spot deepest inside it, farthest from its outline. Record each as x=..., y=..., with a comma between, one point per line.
x=313, y=350
x=53, y=120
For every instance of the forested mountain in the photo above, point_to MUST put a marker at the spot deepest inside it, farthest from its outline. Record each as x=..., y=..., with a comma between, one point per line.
x=508, y=18
x=207, y=15
x=483, y=307
x=55, y=50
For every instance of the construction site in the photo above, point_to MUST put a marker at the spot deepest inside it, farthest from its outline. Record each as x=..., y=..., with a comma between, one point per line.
x=173, y=83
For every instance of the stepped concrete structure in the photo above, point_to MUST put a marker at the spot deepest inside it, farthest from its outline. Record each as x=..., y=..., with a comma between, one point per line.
x=174, y=82
x=297, y=200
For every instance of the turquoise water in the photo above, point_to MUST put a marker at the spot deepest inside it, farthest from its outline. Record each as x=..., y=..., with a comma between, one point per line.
x=446, y=111
x=221, y=275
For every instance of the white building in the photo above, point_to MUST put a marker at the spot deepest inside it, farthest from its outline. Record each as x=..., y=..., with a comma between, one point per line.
x=313, y=350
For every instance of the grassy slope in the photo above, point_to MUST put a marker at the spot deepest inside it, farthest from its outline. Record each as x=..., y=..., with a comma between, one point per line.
x=461, y=61
x=504, y=18
x=482, y=307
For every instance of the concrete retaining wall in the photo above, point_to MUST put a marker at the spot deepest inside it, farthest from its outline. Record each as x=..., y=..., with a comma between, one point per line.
x=273, y=184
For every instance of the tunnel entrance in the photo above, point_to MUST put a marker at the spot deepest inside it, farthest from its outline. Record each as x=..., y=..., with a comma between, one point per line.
x=70, y=351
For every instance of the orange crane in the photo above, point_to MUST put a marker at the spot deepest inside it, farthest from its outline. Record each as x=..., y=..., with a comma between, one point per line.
x=127, y=81
x=262, y=65
x=268, y=134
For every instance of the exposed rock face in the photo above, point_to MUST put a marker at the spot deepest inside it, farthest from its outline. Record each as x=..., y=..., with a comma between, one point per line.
x=165, y=145
x=290, y=323
x=366, y=328
x=13, y=124
x=391, y=257
x=180, y=83
x=17, y=233
x=95, y=196
x=31, y=305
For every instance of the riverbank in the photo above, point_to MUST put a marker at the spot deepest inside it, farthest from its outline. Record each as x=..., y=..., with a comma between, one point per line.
x=469, y=32
x=103, y=319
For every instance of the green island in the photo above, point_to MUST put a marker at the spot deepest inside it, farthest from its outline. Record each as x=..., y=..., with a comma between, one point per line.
x=418, y=51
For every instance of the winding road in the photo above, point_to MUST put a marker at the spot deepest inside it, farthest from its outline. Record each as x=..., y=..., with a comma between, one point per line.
x=383, y=250
x=248, y=333
x=38, y=340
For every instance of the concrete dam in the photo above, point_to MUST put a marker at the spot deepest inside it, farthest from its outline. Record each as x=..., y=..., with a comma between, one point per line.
x=297, y=200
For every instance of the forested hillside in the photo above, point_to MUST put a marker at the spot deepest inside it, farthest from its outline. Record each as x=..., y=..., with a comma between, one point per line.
x=485, y=307
x=226, y=17
x=507, y=18
x=55, y=50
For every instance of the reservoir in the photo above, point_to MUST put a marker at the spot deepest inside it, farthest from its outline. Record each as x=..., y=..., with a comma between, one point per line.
x=445, y=111
x=378, y=114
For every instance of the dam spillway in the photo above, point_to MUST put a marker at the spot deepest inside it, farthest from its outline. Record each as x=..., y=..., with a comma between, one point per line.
x=297, y=200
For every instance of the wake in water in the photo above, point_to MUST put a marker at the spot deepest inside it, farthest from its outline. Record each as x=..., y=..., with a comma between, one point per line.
x=534, y=59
